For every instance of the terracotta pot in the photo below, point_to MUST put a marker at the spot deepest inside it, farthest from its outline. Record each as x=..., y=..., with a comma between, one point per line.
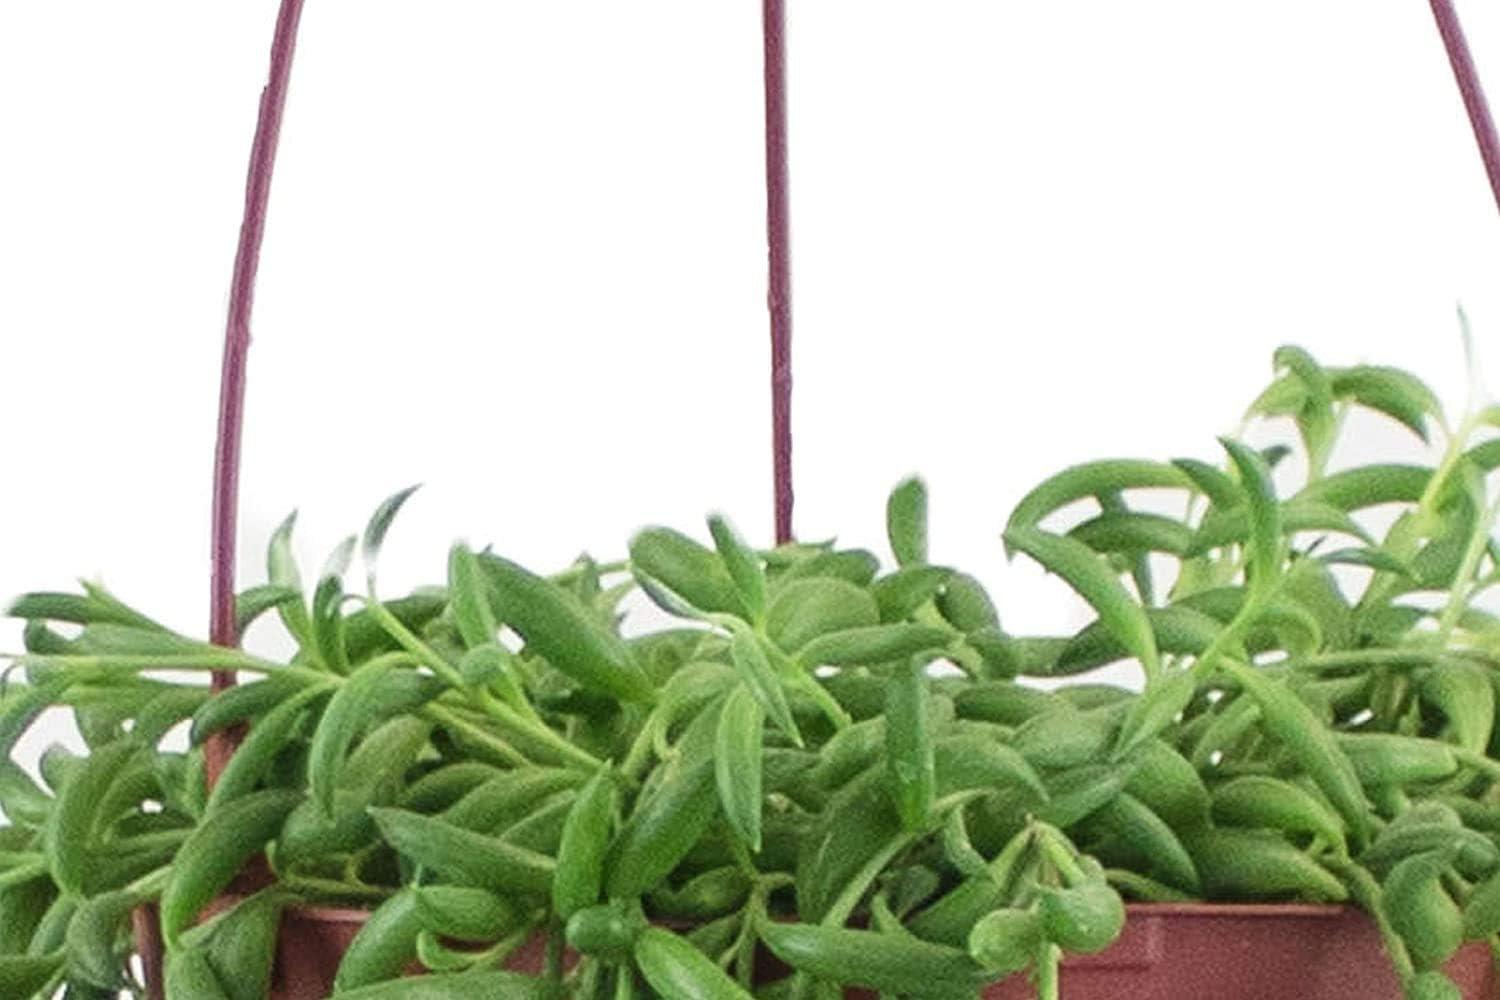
x=1167, y=952
x=1263, y=952
x=313, y=941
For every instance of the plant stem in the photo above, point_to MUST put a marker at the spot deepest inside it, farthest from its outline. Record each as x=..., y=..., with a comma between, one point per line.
x=843, y=907
x=1404, y=545
x=211, y=660
x=452, y=720
x=639, y=754
x=1458, y=597
x=827, y=703
x=542, y=733
x=1047, y=972
x=493, y=708
x=1255, y=602
x=422, y=652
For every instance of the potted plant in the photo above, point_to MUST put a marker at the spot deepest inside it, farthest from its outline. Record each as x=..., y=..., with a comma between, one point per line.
x=824, y=775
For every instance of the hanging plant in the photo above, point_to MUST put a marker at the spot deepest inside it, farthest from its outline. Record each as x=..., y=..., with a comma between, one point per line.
x=825, y=760
x=828, y=774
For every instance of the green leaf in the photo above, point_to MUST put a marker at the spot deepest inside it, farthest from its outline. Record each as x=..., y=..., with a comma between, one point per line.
x=855, y=566
x=1158, y=707
x=557, y=626
x=252, y=603
x=664, y=597
x=871, y=644
x=254, y=756
x=1368, y=486
x=906, y=522
x=22, y=802
x=1211, y=482
x=281, y=570
x=129, y=640
x=1264, y=802
x=78, y=609
x=375, y=530
x=691, y=571
x=1398, y=394
x=742, y=563
x=805, y=609
x=327, y=607
x=23, y=975
x=760, y=677
x=243, y=944
x=216, y=851
x=1376, y=559
x=93, y=936
x=901, y=593
x=1179, y=631
x=351, y=710
x=455, y=986
x=966, y=605
x=1284, y=397
x=1133, y=532
x=1292, y=724
x=1092, y=479
x=737, y=764
x=466, y=857
x=240, y=703
x=469, y=600
x=1264, y=547
x=1097, y=584
x=1231, y=525
x=69, y=835
x=1315, y=418
x=909, y=757
x=1464, y=694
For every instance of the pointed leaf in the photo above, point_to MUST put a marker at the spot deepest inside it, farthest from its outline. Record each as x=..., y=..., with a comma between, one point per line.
x=1096, y=583
x=375, y=530
x=900, y=594
x=760, y=677
x=872, y=644
x=738, y=762
x=281, y=571
x=906, y=522
x=805, y=609
x=1092, y=479
x=1398, y=394
x=743, y=565
x=327, y=607
x=1134, y=532
x=693, y=572
x=252, y=603
x=469, y=598
x=1210, y=481
x=1315, y=418
x=352, y=708
x=557, y=626
x=1263, y=554
x=1376, y=559
x=1368, y=486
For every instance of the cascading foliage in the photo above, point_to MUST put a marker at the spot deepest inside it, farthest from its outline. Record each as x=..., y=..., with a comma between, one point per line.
x=787, y=769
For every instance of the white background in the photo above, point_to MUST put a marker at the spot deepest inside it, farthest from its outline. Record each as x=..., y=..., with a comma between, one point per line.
x=516, y=253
